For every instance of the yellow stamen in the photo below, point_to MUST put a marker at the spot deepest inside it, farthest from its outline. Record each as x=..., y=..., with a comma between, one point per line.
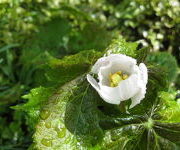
x=112, y=84
x=116, y=78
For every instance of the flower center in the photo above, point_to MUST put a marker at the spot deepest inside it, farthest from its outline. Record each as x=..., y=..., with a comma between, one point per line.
x=116, y=78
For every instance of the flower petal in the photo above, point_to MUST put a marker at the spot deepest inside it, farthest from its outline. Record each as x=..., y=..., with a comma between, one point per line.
x=138, y=97
x=129, y=87
x=104, y=73
x=120, y=57
x=144, y=72
x=126, y=89
x=108, y=94
x=133, y=87
x=93, y=82
x=119, y=61
x=100, y=63
x=141, y=94
x=116, y=62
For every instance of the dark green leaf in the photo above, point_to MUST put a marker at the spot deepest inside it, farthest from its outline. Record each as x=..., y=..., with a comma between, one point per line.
x=167, y=61
x=73, y=116
x=142, y=54
x=60, y=71
x=70, y=119
x=92, y=36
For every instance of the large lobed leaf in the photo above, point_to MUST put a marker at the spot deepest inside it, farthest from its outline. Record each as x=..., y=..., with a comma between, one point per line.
x=72, y=116
x=69, y=120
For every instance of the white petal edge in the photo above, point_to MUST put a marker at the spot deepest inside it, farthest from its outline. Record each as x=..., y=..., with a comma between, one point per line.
x=144, y=72
x=144, y=79
x=99, y=63
x=121, y=57
x=138, y=97
x=93, y=82
x=116, y=62
x=112, y=58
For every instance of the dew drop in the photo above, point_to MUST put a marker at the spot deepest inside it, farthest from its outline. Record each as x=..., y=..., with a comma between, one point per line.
x=46, y=142
x=62, y=133
x=45, y=114
x=48, y=125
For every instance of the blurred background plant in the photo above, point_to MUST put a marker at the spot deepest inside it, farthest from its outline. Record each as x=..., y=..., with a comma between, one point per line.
x=29, y=29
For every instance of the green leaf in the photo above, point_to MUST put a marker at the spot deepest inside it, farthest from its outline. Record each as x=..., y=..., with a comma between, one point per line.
x=120, y=46
x=48, y=38
x=170, y=110
x=36, y=99
x=142, y=54
x=57, y=73
x=146, y=126
x=7, y=47
x=146, y=133
x=158, y=128
x=167, y=61
x=73, y=116
x=60, y=71
x=90, y=37
x=72, y=120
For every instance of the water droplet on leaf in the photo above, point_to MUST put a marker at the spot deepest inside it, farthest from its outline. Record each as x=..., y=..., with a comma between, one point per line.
x=48, y=125
x=44, y=114
x=61, y=132
x=46, y=142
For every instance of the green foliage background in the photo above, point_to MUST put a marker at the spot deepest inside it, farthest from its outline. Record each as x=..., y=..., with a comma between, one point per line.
x=35, y=35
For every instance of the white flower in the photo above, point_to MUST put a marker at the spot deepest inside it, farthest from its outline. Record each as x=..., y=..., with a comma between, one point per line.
x=120, y=79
